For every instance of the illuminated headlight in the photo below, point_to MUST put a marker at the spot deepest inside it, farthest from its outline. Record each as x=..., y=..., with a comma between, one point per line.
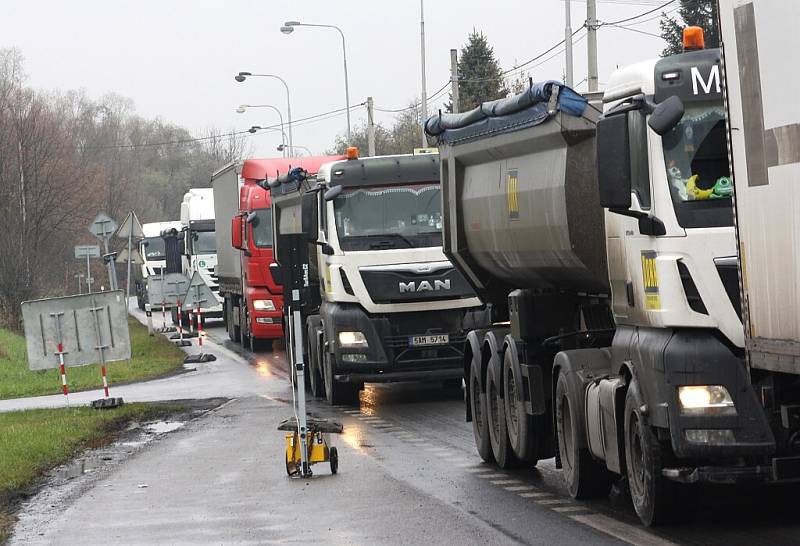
x=710, y=436
x=354, y=357
x=267, y=320
x=352, y=339
x=705, y=399
x=263, y=305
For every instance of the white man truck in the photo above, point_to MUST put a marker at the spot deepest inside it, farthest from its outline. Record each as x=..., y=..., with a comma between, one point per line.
x=151, y=249
x=200, y=243
x=606, y=244
x=380, y=301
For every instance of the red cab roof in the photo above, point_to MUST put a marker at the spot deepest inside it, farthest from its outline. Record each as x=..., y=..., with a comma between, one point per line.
x=259, y=169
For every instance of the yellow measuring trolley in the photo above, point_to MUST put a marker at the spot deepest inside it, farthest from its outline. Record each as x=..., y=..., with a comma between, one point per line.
x=319, y=448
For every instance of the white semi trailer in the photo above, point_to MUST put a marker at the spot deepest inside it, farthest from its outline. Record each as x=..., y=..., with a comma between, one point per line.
x=200, y=243
x=151, y=249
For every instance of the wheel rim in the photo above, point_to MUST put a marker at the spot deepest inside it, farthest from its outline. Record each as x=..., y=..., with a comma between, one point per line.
x=637, y=463
x=566, y=432
x=511, y=393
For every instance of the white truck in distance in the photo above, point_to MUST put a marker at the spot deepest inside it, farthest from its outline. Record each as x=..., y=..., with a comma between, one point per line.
x=151, y=249
x=200, y=243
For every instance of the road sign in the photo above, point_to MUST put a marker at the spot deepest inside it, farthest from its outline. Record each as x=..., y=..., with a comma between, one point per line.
x=103, y=227
x=87, y=251
x=123, y=256
x=93, y=328
x=131, y=227
x=199, y=295
x=167, y=290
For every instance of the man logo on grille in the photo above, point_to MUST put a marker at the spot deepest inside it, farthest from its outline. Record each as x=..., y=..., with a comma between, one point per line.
x=424, y=286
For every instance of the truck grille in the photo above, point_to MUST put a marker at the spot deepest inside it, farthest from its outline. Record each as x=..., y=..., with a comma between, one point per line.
x=408, y=357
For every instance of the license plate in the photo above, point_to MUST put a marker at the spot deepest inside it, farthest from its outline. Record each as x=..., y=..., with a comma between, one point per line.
x=433, y=339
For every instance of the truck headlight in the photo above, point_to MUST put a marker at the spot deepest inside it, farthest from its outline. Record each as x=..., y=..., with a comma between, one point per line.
x=705, y=400
x=352, y=339
x=263, y=305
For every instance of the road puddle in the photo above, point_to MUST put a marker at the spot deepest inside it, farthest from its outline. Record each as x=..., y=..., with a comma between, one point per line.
x=81, y=467
x=162, y=427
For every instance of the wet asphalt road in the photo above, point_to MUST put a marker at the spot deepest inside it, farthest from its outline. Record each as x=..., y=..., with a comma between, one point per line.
x=409, y=475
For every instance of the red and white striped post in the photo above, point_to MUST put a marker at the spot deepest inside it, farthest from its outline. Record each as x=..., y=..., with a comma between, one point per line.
x=105, y=380
x=191, y=321
x=63, y=371
x=199, y=329
x=163, y=315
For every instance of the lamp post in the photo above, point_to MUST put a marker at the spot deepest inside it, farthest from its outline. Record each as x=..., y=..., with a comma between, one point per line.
x=255, y=128
x=242, y=76
x=288, y=28
x=306, y=150
x=243, y=108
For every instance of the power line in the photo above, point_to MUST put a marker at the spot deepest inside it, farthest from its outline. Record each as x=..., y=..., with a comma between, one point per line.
x=648, y=12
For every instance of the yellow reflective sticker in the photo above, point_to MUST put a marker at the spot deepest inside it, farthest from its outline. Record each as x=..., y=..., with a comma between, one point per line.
x=652, y=300
x=511, y=191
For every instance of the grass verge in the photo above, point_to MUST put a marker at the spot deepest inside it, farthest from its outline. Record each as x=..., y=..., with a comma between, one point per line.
x=34, y=441
x=151, y=356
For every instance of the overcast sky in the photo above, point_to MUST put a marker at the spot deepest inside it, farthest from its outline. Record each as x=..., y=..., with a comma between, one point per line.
x=176, y=58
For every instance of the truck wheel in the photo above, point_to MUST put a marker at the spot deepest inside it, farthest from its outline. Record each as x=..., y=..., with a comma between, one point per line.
x=336, y=392
x=496, y=416
x=315, y=377
x=584, y=477
x=521, y=433
x=477, y=401
x=244, y=331
x=655, y=498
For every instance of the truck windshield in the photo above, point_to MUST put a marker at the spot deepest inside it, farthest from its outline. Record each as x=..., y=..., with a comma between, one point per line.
x=153, y=248
x=204, y=242
x=262, y=228
x=386, y=217
x=696, y=157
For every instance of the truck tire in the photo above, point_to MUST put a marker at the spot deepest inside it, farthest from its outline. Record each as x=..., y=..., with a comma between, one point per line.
x=244, y=331
x=317, y=383
x=654, y=498
x=496, y=416
x=338, y=393
x=477, y=401
x=521, y=426
x=233, y=329
x=584, y=477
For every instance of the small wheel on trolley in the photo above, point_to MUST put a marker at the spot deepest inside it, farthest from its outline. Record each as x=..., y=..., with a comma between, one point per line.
x=334, y=460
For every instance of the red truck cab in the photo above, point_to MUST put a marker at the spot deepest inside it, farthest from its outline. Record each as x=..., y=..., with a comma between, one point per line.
x=251, y=233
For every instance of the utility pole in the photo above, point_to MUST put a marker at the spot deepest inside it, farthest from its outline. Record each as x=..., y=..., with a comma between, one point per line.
x=591, y=43
x=370, y=129
x=454, y=79
x=424, y=101
x=568, y=42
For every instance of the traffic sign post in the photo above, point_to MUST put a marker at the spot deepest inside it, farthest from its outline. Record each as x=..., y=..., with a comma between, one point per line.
x=88, y=252
x=130, y=229
x=103, y=227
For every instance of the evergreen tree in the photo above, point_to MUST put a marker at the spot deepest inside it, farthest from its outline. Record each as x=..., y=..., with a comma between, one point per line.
x=701, y=13
x=479, y=74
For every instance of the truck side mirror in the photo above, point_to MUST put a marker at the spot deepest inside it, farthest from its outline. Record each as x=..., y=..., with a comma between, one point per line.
x=333, y=193
x=666, y=115
x=236, y=232
x=310, y=216
x=614, y=162
x=276, y=272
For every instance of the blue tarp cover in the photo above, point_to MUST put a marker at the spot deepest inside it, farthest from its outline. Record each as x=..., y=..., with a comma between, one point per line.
x=524, y=110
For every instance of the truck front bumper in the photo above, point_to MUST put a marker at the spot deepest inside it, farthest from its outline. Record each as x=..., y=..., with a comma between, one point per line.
x=389, y=355
x=777, y=470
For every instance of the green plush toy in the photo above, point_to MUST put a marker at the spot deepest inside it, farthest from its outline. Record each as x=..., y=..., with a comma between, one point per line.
x=723, y=188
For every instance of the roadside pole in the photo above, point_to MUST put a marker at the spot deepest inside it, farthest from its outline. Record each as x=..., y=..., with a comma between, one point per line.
x=130, y=230
x=370, y=128
x=103, y=227
x=60, y=353
x=454, y=79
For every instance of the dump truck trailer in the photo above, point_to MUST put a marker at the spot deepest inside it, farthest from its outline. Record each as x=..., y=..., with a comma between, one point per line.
x=605, y=244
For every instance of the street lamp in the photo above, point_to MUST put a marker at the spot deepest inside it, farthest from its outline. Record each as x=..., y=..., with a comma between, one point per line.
x=288, y=28
x=254, y=128
x=243, y=108
x=242, y=76
x=281, y=148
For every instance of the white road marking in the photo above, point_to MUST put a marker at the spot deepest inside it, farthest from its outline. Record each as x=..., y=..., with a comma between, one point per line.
x=624, y=532
x=505, y=482
x=564, y=509
x=547, y=502
x=490, y=476
x=535, y=494
x=479, y=469
x=516, y=488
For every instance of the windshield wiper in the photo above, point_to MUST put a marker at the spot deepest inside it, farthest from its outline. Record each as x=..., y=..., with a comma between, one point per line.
x=389, y=244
